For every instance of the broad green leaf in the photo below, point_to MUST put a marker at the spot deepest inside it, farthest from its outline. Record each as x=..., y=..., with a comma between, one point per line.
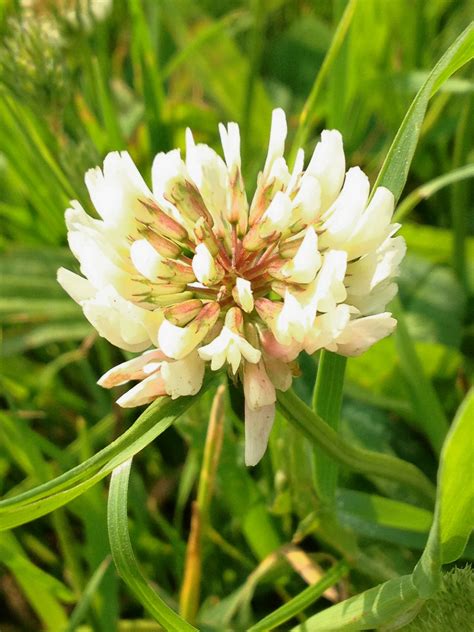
x=394, y=171
x=457, y=484
x=124, y=556
x=373, y=608
x=454, y=516
x=383, y=518
x=61, y=490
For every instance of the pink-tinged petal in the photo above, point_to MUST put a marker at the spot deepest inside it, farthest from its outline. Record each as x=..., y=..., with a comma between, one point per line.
x=258, y=424
x=271, y=346
x=134, y=369
x=362, y=333
x=258, y=389
x=144, y=392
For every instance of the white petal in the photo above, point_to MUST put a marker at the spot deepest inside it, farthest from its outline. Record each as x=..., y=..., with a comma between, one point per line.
x=230, y=139
x=78, y=288
x=249, y=352
x=183, y=377
x=307, y=202
x=362, y=333
x=258, y=424
x=203, y=265
x=277, y=216
x=166, y=168
x=307, y=261
x=326, y=328
x=216, y=350
x=373, y=226
x=290, y=323
x=328, y=165
x=329, y=285
x=243, y=295
x=346, y=211
x=121, y=322
x=116, y=192
x=144, y=392
x=209, y=173
x=276, y=145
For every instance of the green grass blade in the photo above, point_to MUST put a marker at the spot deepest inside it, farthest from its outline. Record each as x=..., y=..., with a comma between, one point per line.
x=48, y=496
x=83, y=605
x=430, y=414
x=425, y=191
x=394, y=171
x=359, y=460
x=124, y=556
x=306, y=116
x=303, y=600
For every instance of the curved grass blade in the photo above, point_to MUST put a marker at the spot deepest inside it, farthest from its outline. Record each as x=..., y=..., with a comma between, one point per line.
x=59, y=491
x=304, y=599
x=394, y=171
x=428, y=189
x=359, y=460
x=371, y=609
x=124, y=556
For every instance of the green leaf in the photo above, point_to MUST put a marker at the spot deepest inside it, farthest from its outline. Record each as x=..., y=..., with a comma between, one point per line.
x=454, y=517
x=124, y=556
x=383, y=518
x=394, y=171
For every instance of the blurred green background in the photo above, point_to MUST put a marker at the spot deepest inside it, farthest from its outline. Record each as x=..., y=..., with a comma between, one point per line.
x=79, y=79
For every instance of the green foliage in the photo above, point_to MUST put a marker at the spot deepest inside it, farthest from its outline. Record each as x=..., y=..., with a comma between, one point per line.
x=336, y=514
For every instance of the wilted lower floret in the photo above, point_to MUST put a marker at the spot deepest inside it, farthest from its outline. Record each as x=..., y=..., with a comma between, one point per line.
x=207, y=279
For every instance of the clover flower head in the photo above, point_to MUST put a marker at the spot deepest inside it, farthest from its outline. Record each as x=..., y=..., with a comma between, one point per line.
x=206, y=278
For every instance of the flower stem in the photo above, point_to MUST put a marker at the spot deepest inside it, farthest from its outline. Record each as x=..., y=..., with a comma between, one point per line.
x=327, y=400
x=359, y=460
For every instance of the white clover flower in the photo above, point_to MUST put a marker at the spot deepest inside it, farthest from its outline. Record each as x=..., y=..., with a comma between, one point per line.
x=193, y=271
